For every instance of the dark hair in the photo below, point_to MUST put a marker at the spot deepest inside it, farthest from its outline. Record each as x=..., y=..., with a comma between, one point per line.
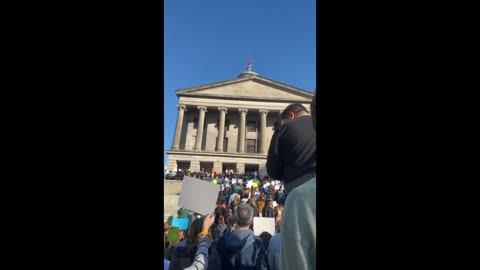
x=245, y=214
x=295, y=108
x=266, y=237
x=193, y=230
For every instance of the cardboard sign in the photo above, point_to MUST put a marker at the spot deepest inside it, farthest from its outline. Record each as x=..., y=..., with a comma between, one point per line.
x=263, y=225
x=215, y=181
x=181, y=223
x=255, y=185
x=173, y=234
x=198, y=196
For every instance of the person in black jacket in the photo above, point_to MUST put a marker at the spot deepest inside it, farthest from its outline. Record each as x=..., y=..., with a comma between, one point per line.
x=292, y=153
x=268, y=210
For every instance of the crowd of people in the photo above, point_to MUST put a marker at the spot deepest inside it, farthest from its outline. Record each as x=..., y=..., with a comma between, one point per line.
x=225, y=238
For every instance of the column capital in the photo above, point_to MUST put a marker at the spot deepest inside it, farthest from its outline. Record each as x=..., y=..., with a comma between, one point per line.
x=223, y=109
x=243, y=110
x=263, y=111
x=182, y=107
x=204, y=108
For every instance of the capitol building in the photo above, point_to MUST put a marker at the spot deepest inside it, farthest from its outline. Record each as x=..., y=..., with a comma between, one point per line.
x=228, y=125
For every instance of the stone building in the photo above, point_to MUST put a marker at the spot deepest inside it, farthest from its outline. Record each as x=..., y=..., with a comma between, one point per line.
x=228, y=125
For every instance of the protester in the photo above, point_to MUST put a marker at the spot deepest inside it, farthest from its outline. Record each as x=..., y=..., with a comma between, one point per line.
x=268, y=209
x=298, y=227
x=265, y=236
x=292, y=153
x=252, y=203
x=201, y=260
x=240, y=249
x=229, y=219
x=261, y=204
x=184, y=252
x=274, y=252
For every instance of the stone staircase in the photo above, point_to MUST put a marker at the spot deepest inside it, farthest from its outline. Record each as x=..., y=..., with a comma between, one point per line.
x=170, y=198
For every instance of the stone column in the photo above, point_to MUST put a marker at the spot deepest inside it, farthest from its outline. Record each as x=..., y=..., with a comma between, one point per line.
x=241, y=130
x=201, y=122
x=221, y=128
x=263, y=131
x=195, y=166
x=240, y=167
x=178, y=130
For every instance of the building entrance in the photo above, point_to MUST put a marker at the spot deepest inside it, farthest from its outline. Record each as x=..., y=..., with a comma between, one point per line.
x=229, y=167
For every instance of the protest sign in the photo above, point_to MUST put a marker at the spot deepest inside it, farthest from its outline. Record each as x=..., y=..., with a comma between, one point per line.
x=181, y=223
x=266, y=185
x=263, y=225
x=234, y=181
x=249, y=185
x=274, y=204
x=277, y=187
x=255, y=185
x=240, y=181
x=250, y=182
x=172, y=235
x=226, y=179
x=198, y=196
x=215, y=181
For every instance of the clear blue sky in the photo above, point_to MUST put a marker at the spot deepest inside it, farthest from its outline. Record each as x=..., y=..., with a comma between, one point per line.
x=209, y=41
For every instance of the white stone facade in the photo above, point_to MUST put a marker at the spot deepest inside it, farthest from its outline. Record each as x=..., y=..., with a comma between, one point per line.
x=246, y=99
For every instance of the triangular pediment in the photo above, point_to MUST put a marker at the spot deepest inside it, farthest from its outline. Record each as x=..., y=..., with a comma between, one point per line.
x=255, y=87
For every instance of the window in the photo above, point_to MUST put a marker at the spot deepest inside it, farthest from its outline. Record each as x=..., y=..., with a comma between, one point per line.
x=225, y=144
x=251, y=126
x=251, y=146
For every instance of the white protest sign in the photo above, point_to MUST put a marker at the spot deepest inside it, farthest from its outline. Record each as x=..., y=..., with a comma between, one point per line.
x=250, y=182
x=266, y=185
x=249, y=185
x=240, y=181
x=198, y=196
x=226, y=179
x=277, y=187
x=263, y=225
x=234, y=181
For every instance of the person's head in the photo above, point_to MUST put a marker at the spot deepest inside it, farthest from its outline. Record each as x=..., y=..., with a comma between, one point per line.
x=313, y=109
x=265, y=236
x=244, y=215
x=293, y=111
x=194, y=229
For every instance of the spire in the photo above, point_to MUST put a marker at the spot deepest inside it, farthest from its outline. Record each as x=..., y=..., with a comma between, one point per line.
x=249, y=71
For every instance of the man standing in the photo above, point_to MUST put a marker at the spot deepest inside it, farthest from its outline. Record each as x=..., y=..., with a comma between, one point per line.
x=292, y=152
x=240, y=249
x=298, y=226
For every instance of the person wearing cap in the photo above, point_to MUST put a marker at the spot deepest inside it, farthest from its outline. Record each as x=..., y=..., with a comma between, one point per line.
x=292, y=152
x=298, y=225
